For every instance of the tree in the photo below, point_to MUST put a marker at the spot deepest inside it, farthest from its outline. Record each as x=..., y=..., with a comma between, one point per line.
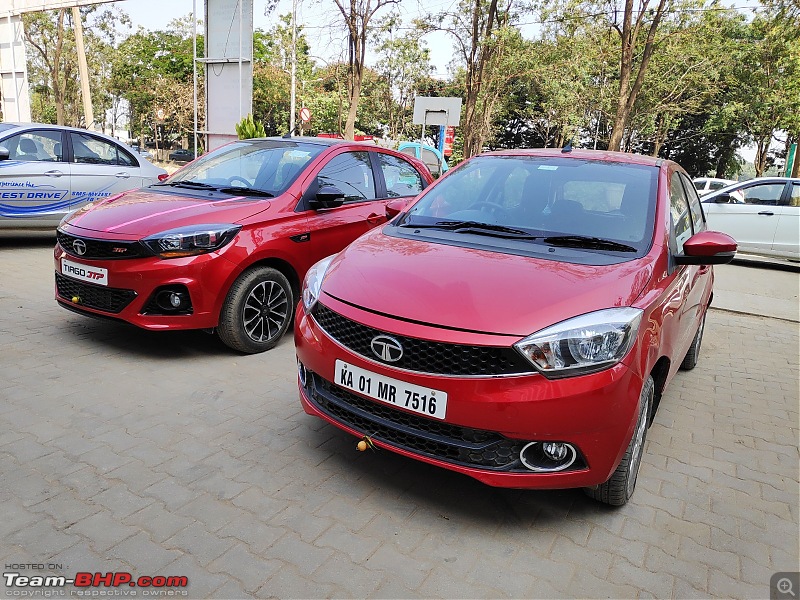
x=357, y=15
x=490, y=52
x=403, y=64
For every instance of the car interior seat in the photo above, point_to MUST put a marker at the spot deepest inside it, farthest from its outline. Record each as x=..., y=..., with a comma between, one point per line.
x=27, y=150
x=533, y=202
x=634, y=207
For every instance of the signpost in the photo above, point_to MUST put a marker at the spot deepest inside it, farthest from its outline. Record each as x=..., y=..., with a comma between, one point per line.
x=429, y=110
x=305, y=114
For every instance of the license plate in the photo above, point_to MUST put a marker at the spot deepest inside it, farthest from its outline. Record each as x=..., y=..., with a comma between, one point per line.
x=96, y=275
x=422, y=400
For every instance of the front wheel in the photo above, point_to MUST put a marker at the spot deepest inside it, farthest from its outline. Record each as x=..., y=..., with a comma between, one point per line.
x=619, y=488
x=693, y=354
x=257, y=311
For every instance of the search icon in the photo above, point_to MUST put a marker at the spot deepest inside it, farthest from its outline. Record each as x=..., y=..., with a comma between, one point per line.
x=785, y=586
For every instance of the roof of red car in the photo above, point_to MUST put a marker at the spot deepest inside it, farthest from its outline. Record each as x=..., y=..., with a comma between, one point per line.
x=623, y=157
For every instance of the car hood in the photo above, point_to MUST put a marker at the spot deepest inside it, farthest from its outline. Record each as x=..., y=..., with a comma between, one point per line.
x=145, y=212
x=476, y=290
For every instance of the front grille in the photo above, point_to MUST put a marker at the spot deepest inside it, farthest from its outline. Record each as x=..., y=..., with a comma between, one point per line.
x=101, y=249
x=423, y=356
x=443, y=441
x=107, y=299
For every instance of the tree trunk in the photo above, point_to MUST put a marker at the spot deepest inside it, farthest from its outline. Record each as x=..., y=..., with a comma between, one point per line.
x=762, y=147
x=55, y=74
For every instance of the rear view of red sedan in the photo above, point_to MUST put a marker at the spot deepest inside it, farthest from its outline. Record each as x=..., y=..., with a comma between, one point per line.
x=520, y=322
x=225, y=242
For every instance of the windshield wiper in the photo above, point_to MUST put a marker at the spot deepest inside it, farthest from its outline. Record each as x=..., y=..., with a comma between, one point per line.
x=245, y=191
x=474, y=227
x=197, y=185
x=586, y=241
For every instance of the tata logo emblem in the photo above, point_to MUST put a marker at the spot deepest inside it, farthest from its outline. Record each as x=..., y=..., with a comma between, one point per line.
x=79, y=246
x=386, y=348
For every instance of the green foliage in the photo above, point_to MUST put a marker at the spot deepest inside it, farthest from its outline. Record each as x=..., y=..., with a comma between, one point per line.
x=247, y=128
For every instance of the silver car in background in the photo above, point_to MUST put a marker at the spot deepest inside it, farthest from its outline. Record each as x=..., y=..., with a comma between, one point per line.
x=47, y=171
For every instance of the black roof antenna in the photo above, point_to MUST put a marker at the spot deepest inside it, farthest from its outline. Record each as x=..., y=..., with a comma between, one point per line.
x=567, y=147
x=288, y=135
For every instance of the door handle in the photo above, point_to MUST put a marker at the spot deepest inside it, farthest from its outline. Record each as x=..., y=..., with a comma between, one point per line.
x=375, y=218
x=766, y=213
x=54, y=173
x=123, y=175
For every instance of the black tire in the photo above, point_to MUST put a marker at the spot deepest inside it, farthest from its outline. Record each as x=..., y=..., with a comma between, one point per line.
x=619, y=488
x=257, y=311
x=692, y=356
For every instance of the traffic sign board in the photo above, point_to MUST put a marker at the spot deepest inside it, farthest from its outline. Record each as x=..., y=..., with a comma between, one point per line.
x=305, y=115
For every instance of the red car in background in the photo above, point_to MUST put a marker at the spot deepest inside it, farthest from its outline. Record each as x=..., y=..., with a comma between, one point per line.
x=519, y=322
x=225, y=242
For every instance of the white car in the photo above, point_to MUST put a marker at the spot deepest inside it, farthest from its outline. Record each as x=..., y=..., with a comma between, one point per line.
x=766, y=220
x=706, y=185
x=47, y=171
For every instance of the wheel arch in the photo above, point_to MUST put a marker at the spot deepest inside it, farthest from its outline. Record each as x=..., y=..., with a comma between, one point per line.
x=659, y=373
x=285, y=268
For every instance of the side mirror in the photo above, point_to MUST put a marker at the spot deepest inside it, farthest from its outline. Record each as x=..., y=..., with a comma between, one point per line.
x=707, y=248
x=328, y=196
x=4, y=153
x=724, y=199
x=394, y=208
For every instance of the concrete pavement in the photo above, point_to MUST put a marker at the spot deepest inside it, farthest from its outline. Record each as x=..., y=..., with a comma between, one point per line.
x=166, y=454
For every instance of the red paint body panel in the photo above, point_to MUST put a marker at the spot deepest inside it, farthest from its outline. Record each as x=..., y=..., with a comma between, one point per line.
x=452, y=294
x=268, y=225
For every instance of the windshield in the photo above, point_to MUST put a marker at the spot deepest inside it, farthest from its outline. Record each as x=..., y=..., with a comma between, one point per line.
x=269, y=166
x=569, y=202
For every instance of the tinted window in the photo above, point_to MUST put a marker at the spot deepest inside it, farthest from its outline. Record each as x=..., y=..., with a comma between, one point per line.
x=765, y=193
x=352, y=174
x=39, y=145
x=681, y=229
x=547, y=197
x=700, y=184
x=401, y=178
x=698, y=219
x=270, y=166
x=94, y=151
x=717, y=185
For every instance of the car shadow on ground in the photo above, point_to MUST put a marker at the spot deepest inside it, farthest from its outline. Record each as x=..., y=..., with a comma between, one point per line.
x=446, y=494
x=117, y=337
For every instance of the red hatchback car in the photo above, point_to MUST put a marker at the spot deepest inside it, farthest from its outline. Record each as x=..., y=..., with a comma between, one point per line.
x=225, y=242
x=519, y=322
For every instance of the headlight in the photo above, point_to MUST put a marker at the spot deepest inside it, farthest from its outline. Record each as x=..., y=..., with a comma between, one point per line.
x=191, y=240
x=584, y=344
x=313, y=282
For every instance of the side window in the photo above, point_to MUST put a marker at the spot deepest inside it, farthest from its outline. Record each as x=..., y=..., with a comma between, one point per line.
x=43, y=146
x=681, y=229
x=90, y=150
x=401, y=178
x=768, y=194
x=350, y=172
x=698, y=218
x=716, y=185
x=431, y=161
x=794, y=199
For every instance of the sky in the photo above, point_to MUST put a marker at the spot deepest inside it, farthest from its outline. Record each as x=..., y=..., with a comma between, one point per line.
x=314, y=15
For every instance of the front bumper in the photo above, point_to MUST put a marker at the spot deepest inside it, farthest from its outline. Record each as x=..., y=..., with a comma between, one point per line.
x=488, y=420
x=133, y=282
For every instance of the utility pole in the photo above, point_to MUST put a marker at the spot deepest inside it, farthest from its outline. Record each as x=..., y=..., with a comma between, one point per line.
x=293, y=98
x=83, y=69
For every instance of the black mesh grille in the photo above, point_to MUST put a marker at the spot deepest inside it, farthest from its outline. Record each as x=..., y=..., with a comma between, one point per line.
x=423, y=356
x=443, y=441
x=101, y=249
x=110, y=300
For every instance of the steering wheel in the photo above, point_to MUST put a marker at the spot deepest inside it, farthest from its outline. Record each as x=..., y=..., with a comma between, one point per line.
x=238, y=178
x=495, y=209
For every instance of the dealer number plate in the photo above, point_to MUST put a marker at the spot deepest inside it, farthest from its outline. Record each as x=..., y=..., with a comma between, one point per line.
x=96, y=275
x=422, y=400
